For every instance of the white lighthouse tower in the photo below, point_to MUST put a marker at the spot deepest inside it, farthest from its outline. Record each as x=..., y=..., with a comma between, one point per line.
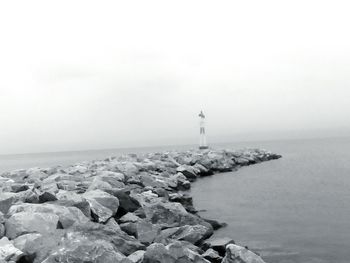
x=202, y=137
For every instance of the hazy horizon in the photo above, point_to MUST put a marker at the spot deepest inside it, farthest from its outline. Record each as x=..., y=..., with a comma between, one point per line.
x=77, y=75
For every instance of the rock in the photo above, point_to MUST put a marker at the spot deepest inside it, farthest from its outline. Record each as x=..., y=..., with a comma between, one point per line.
x=126, y=202
x=16, y=188
x=77, y=248
x=188, y=171
x=129, y=217
x=102, y=204
x=6, y=201
x=157, y=253
x=36, y=247
x=215, y=224
x=194, y=234
x=8, y=252
x=29, y=222
x=121, y=241
x=72, y=199
x=67, y=215
x=236, y=254
x=218, y=244
x=47, y=197
x=146, y=232
x=184, y=199
x=137, y=256
x=171, y=215
x=212, y=255
x=98, y=184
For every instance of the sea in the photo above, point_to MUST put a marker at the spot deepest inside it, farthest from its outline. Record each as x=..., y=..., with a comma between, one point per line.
x=291, y=210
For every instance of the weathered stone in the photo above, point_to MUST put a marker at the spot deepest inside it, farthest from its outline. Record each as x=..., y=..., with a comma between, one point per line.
x=126, y=202
x=8, y=252
x=6, y=201
x=121, y=241
x=67, y=215
x=29, y=222
x=218, y=244
x=212, y=255
x=102, y=204
x=78, y=248
x=47, y=197
x=240, y=254
x=137, y=256
x=194, y=234
x=157, y=253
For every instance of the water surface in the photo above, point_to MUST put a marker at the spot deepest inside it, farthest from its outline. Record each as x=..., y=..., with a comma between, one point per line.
x=292, y=210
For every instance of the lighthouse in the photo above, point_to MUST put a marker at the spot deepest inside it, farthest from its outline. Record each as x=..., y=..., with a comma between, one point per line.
x=202, y=137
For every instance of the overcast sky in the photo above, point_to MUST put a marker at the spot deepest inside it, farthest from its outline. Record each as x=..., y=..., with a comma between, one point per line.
x=103, y=74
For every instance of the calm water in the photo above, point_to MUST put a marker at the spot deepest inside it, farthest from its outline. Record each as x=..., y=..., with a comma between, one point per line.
x=292, y=210
x=295, y=209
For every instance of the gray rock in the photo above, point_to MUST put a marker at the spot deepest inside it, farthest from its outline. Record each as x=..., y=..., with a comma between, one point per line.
x=218, y=244
x=240, y=254
x=102, y=204
x=67, y=215
x=8, y=252
x=6, y=201
x=212, y=255
x=29, y=222
x=137, y=256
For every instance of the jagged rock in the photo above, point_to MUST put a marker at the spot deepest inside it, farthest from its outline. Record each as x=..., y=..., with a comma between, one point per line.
x=16, y=188
x=6, y=201
x=194, y=234
x=78, y=248
x=171, y=215
x=144, y=231
x=240, y=254
x=29, y=222
x=98, y=184
x=188, y=171
x=218, y=244
x=121, y=241
x=129, y=217
x=67, y=198
x=47, y=197
x=67, y=215
x=8, y=252
x=184, y=199
x=36, y=247
x=157, y=253
x=137, y=256
x=212, y=255
x=215, y=224
x=126, y=202
x=102, y=204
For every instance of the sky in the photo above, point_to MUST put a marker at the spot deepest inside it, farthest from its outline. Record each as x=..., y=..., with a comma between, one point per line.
x=78, y=75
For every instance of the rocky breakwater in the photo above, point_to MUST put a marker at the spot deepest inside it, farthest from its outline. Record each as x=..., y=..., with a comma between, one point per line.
x=129, y=209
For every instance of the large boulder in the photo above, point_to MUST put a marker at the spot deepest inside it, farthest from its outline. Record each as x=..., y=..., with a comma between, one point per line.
x=121, y=241
x=171, y=215
x=103, y=205
x=8, y=252
x=157, y=253
x=126, y=202
x=6, y=201
x=29, y=222
x=194, y=234
x=235, y=254
x=143, y=230
x=78, y=248
x=67, y=215
x=218, y=244
x=36, y=247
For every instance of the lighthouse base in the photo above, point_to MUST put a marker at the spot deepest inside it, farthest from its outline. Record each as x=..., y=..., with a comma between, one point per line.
x=203, y=147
